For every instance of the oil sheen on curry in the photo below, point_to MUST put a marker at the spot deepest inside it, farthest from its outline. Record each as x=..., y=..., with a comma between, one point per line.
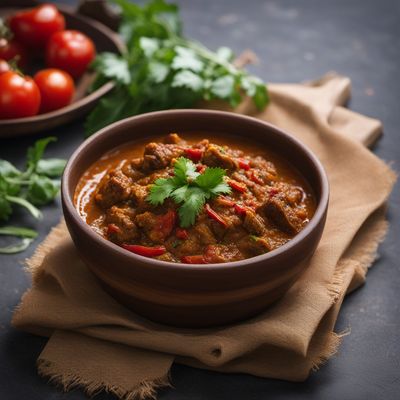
x=193, y=200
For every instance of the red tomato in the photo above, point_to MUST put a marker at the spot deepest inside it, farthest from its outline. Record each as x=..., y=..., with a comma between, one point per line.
x=71, y=51
x=4, y=66
x=35, y=26
x=12, y=50
x=19, y=96
x=56, y=89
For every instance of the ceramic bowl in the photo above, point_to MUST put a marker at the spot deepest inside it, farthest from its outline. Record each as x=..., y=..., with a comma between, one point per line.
x=195, y=295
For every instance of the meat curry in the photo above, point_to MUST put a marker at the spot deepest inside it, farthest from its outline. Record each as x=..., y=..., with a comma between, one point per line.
x=254, y=201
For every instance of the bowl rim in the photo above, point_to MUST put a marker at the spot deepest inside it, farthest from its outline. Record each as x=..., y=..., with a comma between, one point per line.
x=68, y=204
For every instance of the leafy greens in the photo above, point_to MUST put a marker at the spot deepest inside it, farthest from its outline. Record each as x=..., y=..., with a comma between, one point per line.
x=161, y=69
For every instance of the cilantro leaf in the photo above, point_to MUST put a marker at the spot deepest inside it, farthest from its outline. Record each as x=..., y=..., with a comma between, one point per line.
x=160, y=190
x=186, y=58
x=185, y=170
x=41, y=190
x=210, y=178
x=194, y=201
x=52, y=167
x=35, y=153
x=187, y=79
x=112, y=66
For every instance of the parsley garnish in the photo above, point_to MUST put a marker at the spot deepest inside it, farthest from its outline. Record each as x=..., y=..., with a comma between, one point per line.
x=161, y=69
x=189, y=188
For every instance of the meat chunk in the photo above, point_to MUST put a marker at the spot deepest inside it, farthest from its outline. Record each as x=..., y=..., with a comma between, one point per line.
x=138, y=195
x=254, y=223
x=174, y=138
x=114, y=188
x=219, y=253
x=282, y=214
x=159, y=155
x=204, y=233
x=157, y=227
x=120, y=225
x=216, y=156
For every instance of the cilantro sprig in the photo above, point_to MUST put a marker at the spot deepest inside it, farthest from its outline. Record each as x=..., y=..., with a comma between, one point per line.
x=161, y=69
x=189, y=188
x=33, y=187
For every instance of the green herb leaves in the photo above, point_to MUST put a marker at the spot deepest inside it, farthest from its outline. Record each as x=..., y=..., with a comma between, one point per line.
x=30, y=188
x=161, y=69
x=188, y=188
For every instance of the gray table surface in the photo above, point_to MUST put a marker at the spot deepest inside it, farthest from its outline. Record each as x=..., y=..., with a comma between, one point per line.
x=294, y=41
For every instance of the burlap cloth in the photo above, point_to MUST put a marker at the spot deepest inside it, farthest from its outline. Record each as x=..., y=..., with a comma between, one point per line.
x=96, y=343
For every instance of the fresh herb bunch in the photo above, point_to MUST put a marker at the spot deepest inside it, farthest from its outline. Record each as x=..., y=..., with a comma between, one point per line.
x=161, y=69
x=189, y=188
x=36, y=186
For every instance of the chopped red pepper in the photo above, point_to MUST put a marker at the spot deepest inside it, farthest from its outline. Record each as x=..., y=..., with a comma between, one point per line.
x=145, y=250
x=225, y=202
x=197, y=259
x=239, y=187
x=244, y=164
x=181, y=233
x=254, y=177
x=167, y=222
x=215, y=216
x=194, y=154
x=240, y=209
x=200, y=168
x=112, y=228
x=272, y=192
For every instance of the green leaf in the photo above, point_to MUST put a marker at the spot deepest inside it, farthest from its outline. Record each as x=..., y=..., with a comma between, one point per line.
x=18, y=231
x=16, y=248
x=187, y=59
x=35, y=153
x=223, y=87
x=149, y=46
x=185, y=170
x=113, y=107
x=42, y=190
x=52, y=167
x=179, y=195
x=7, y=169
x=256, y=89
x=5, y=207
x=158, y=71
x=221, y=188
x=192, y=206
x=26, y=204
x=160, y=190
x=225, y=54
x=187, y=79
x=210, y=178
x=113, y=66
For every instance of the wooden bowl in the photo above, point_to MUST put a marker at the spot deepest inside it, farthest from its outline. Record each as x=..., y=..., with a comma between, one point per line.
x=195, y=295
x=105, y=40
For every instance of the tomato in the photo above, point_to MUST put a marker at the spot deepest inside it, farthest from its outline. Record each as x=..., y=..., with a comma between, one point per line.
x=12, y=50
x=19, y=96
x=4, y=66
x=56, y=89
x=71, y=51
x=35, y=26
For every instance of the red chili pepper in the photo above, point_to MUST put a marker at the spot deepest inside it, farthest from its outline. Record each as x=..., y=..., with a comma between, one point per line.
x=167, y=222
x=200, y=168
x=272, y=192
x=244, y=164
x=181, y=233
x=215, y=216
x=194, y=154
x=239, y=187
x=197, y=259
x=240, y=209
x=254, y=177
x=225, y=202
x=112, y=228
x=145, y=250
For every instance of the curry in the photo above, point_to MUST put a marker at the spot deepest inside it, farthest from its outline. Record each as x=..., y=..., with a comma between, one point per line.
x=194, y=200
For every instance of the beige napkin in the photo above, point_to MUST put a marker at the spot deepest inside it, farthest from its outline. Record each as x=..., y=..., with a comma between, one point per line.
x=96, y=343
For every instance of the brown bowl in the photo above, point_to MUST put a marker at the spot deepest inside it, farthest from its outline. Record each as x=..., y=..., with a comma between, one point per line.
x=105, y=40
x=195, y=295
